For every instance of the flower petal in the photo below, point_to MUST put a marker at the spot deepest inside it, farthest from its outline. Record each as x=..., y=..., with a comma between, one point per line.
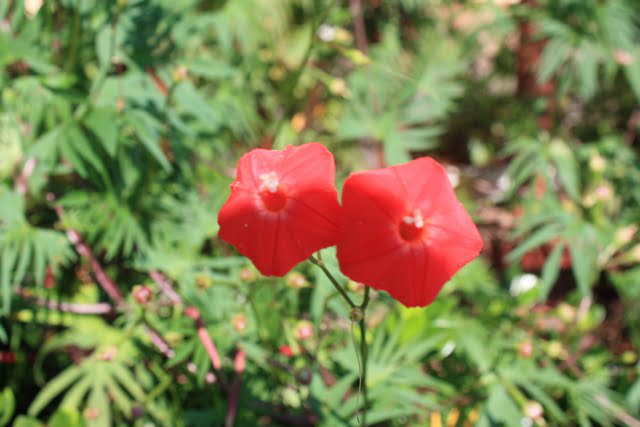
x=277, y=236
x=371, y=248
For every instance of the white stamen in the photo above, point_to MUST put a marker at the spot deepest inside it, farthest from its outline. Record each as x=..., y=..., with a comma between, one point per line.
x=416, y=219
x=269, y=181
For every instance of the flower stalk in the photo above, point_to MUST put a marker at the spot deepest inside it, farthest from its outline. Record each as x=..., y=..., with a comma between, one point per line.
x=358, y=314
x=339, y=288
x=363, y=354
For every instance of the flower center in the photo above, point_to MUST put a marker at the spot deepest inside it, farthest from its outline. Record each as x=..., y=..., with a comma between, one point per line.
x=412, y=226
x=270, y=192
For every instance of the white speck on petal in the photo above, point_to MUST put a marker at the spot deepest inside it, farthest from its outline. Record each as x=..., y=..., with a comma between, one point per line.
x=416, y=219
x=269, y=181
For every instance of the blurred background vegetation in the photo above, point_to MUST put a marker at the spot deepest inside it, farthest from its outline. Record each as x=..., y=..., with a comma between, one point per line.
x=121, y=122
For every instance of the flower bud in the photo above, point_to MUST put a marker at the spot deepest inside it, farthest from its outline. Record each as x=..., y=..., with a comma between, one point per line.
x=356, y=287
x=248, y=274
x=91, y=414
x=525, y=349
x=286, y=351
x=304, y=330
x=597, y=163
x=203, y=281
x=533, y=410
x=179, y=74
x=31, y=7
x=192, y=312
x=142, y=294
x=239, y=322
x=296, y=280
x=304, y=376
x=338, y=87
x=210, y=378
x=624, y=235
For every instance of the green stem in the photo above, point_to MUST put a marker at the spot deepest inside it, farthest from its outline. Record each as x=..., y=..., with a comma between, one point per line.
x=101, y=78
x=363, y=354
x=333, y=280
x=357, y=313
x=318, y=19
x=76, y=30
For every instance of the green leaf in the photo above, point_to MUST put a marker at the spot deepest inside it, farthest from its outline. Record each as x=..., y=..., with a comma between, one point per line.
x=120, y=398
x=147, y=129
x=53, y=388
x=7, y=406
x=82, y=148
x=99, y=402
x=567, y=167
x=475, y=348
x=124, y=377
x=65, y=418
x=9, y=256
x=502, y=407
x=554, y=55
x=584, y=249
x=539, y=237
x=75, y=395
x=192, y=102
x=103, y=122
x=23, y=421
x=633, y=397
x=550, y=271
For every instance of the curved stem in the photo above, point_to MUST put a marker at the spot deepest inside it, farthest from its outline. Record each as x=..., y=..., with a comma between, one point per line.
x=318, y=19
x=333, y=280
x=363, y=354
x=357, y=312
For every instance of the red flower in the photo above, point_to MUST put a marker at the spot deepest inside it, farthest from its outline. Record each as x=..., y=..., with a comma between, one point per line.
x=404, y=231
x=283, y=207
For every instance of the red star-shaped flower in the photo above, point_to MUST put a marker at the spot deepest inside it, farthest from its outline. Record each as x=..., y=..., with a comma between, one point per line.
x=283, y=207
x=404, y=231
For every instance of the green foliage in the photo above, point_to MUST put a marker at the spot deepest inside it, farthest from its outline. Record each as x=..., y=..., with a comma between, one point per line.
x=120, y=125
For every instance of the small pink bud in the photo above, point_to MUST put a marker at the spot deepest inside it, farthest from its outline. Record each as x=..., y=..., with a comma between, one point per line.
x=533, y=410
x=192, y=312
x=210, y=378
x=286, y=351
x=623, y=58
x=525, y=349
x=142, y=294
x=239, y=322
x=304, y=330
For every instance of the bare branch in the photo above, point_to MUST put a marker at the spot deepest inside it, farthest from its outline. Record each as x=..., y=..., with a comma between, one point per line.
x=105, y=282
x=165, y=286
x=67, y=307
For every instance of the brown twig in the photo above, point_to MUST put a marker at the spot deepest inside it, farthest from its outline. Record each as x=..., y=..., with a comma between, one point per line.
x=165, y=286
x=632, y=126
x=207, y=343
x=67, y=307
x=22, y=180
x=239, y=364
x=618, y=412
x=358, y=25
x=159, y=342
x=105, y=282
x=371, y=148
